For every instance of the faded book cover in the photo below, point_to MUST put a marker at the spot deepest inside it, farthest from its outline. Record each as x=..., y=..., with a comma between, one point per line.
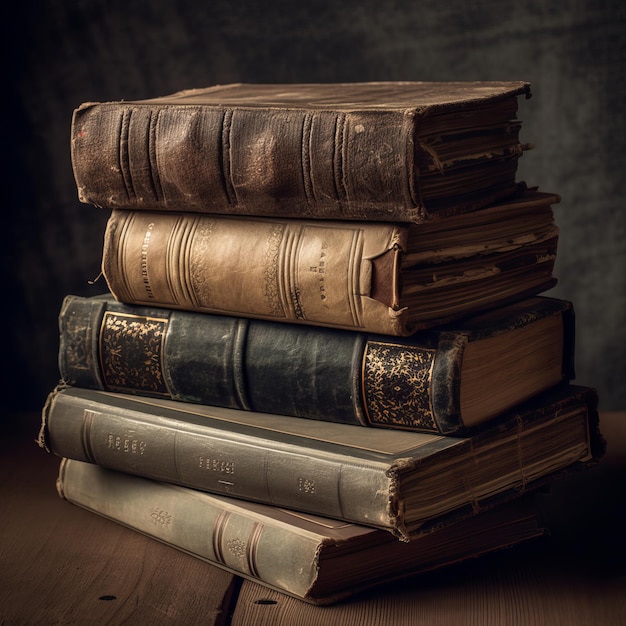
x=386, y=278
x=316, y=559
x=384, y=478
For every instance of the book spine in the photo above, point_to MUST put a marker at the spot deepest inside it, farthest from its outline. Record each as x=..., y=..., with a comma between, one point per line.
x=322, y=164
x=216, y=360
x=276, y=553
x=220, y=461
x=201, y=525
x=300, y=272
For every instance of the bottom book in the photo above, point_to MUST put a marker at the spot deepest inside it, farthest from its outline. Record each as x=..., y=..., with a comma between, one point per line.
x=316, y=559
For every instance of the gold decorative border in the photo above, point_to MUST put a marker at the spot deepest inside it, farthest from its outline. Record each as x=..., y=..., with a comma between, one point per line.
x=396, y=382
x=131, y=353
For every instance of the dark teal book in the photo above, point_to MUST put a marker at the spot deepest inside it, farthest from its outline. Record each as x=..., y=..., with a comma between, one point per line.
x=446, y=380
x=381, y=478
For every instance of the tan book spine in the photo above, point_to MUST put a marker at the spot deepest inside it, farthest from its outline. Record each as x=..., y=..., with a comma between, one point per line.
x=295, y=271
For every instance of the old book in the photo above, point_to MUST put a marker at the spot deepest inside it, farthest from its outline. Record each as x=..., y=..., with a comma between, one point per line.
x=384, y=478
x=373, y=276
x=319, y=560
x=404, y=151
x=445, y=380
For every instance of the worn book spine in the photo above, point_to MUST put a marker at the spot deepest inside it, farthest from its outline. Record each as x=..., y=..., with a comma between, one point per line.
x=361, y=475
x=213, y=528
x=341, y=275
x=294, y=161
x=310, y=372
x=173, y=447
x=300, y=555
x=224, y=157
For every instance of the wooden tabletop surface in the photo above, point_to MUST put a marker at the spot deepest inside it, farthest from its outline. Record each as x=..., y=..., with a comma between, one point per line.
x=62, y=565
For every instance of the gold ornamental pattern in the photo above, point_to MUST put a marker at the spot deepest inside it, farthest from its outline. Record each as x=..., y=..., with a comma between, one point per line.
x=396, y=385
x=270, y=270
x=131, y=353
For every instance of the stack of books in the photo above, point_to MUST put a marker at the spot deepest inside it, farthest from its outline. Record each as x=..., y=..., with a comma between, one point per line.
x=325, y=359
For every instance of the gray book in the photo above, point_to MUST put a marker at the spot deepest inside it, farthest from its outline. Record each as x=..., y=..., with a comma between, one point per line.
x=382, y=478
x=449, y=380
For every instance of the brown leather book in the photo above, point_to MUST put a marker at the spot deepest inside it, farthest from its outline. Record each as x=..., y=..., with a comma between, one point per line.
x=380, y=277
x=406, y=151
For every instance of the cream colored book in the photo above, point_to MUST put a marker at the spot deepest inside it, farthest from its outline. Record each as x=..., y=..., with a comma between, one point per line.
x=316, y=559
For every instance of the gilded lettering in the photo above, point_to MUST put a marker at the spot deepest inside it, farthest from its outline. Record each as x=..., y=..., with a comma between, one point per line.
x=144, y=261
x=306, y=485
x=321, y=270
x=126, y=445
x=216, y=465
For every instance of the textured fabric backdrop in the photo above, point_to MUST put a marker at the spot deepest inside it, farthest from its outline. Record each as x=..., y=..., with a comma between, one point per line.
x=59, y=54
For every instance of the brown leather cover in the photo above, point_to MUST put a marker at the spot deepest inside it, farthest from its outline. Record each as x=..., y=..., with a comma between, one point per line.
x=308, y=272
x=401, y=151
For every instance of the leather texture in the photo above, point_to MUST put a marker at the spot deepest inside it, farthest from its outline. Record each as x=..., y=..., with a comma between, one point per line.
x=270, y=367
x=332, y=151
x=307, y=272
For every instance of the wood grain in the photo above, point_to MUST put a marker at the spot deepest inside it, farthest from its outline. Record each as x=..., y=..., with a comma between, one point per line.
x=64, y=565
x=516, y=587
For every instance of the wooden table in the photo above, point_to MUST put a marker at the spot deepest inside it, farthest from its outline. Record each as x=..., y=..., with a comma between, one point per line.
x=62, y=565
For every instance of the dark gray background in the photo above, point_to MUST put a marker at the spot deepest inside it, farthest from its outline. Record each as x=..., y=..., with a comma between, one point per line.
x=60, y=53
